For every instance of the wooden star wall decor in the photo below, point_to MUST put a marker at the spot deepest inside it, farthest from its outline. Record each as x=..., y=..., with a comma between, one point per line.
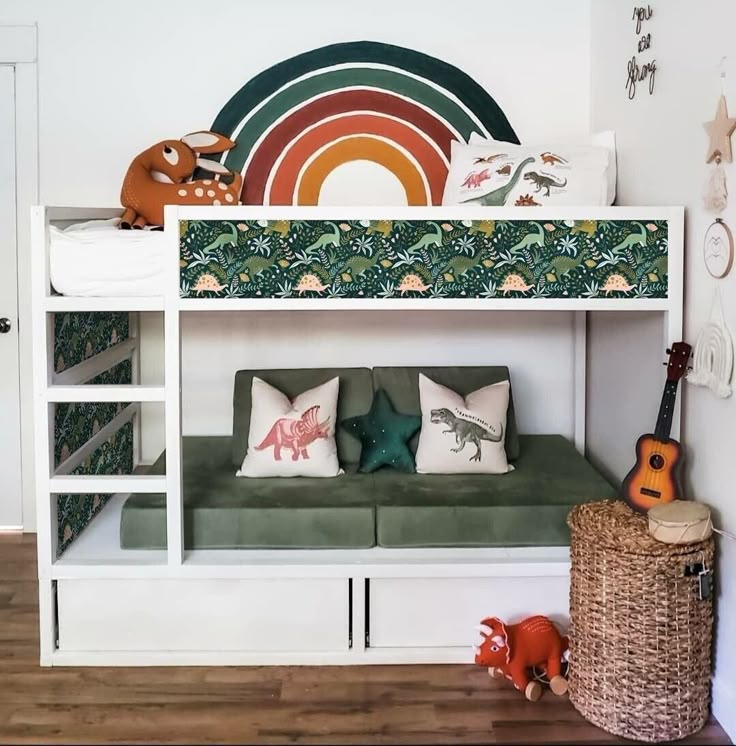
x=720, y=131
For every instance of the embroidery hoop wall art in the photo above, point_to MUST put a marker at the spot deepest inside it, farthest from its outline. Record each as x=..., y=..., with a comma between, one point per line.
x=718, y=249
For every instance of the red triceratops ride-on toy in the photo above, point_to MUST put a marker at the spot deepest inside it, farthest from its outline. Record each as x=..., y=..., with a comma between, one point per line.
x=512, y=650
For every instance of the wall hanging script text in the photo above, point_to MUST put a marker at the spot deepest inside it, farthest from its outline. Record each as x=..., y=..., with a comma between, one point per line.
x=638, y=71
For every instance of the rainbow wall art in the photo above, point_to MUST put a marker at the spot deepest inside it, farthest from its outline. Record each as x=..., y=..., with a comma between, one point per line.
x=298, y=121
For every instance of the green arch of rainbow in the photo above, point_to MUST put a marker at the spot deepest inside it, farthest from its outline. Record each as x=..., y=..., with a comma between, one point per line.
x=429, y=101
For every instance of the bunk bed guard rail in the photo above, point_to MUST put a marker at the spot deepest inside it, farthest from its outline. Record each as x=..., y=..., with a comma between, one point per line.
x=430, y=253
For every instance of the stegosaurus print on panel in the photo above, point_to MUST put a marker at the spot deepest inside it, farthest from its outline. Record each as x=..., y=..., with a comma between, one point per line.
x=295, y=434
x=424, y=259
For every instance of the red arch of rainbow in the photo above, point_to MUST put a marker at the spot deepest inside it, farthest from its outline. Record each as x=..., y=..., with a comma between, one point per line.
x=431, y=163
x=350, y=107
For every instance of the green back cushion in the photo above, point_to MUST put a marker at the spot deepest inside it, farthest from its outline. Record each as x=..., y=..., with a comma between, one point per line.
x=402, y=386
x=355, y=397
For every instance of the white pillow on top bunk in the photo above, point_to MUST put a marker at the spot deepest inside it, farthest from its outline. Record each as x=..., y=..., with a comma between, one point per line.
x=292, y=438
x=493, y=173
x=605, y=140
x=462, y=435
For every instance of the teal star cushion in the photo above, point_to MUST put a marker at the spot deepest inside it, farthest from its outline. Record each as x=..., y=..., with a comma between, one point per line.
x=384, y=435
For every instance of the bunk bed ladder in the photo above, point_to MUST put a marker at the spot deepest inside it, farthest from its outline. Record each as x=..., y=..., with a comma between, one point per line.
x=72, y=385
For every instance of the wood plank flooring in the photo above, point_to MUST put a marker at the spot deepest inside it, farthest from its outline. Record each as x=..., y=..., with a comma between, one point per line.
x=348, y=705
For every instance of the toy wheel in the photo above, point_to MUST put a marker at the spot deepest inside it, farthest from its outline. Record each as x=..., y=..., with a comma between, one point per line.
x=558, y=685
x=539, y=673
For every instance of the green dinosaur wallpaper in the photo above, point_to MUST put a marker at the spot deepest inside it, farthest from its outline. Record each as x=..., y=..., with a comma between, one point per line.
x=422, y=258
x=78, y=336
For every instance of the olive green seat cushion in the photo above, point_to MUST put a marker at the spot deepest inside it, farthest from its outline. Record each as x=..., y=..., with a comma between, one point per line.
x=222, y=511
x=526, y=507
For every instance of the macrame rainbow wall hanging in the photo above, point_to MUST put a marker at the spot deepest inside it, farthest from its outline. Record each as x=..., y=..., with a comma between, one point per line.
x=298, y=121
x=713, y=354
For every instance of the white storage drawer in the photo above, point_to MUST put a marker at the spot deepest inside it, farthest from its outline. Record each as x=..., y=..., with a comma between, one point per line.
x=204, y=615
x=441, y=612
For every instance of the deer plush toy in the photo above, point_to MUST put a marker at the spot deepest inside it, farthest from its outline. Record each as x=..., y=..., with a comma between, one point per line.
x=512, y=650
x=162, y=175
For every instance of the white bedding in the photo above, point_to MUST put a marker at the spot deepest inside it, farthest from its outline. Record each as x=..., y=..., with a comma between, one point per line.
x=98, y=259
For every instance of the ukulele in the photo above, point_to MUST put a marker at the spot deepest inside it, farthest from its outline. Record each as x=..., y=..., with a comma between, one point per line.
x=655, y=477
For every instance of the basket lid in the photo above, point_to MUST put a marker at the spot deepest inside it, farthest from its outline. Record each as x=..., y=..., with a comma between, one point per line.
x=614, y=525
x=680, y=513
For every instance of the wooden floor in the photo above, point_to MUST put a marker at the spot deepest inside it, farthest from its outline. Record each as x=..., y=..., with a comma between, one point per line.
x=367, y=704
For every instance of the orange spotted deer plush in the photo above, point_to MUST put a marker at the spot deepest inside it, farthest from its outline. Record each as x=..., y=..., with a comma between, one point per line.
x=162, y=176
x=512, y=650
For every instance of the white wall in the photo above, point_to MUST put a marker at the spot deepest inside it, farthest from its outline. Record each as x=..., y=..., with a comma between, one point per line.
x=662, y=148
x=542, y=370
x=115, y=78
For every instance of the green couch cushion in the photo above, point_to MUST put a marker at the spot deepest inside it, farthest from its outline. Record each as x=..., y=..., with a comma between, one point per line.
x=222, y=511
x=384, y=435
x=354, y=398
x=526, y=507
x=402, y=386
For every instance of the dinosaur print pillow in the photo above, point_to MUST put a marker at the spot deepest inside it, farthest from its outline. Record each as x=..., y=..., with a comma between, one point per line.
x=497, y=174
x=292, y=438
x=605, y=139
x=462, y=436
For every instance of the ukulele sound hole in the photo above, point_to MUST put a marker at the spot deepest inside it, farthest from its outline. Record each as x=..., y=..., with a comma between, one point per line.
x=656, y=461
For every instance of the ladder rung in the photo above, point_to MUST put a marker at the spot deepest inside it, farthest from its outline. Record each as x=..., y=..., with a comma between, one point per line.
x=94, y=484
x=96, y=393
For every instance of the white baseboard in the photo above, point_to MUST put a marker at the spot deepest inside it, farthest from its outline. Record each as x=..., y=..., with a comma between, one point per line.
x=724, y=705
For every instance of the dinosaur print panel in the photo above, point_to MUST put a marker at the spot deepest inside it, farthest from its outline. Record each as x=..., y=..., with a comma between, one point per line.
x=462, y=435
x=496, y=174
x=405, y=259
x=292, y=438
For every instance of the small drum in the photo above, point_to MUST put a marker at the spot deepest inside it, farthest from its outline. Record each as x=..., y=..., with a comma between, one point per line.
x=680, y=522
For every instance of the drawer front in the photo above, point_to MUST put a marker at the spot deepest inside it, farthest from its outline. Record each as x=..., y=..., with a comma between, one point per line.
x=441, y=612
x=203, y=615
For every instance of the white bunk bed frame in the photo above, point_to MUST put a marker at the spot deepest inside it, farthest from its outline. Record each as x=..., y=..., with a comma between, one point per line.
x=107, y=606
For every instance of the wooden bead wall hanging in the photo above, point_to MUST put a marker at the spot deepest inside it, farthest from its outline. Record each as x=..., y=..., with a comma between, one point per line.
x=720, y=129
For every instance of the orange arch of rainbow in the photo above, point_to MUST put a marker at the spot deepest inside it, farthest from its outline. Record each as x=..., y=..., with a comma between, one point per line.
x=288, y=170
x=370, y=149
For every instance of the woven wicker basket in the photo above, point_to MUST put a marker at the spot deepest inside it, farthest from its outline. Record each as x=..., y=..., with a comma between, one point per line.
x=640, y=637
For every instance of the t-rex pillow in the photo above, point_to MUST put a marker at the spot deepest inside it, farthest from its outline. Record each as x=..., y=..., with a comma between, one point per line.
x=495, y=174
x=462, y=436
x=292, y=438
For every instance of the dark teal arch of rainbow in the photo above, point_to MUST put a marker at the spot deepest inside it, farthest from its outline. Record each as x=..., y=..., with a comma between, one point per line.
x=481, y=113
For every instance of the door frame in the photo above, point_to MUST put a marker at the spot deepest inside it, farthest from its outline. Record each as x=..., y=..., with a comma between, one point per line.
x=19, y=48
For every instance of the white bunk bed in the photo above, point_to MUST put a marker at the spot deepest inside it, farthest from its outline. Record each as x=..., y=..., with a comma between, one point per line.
x=100, y=605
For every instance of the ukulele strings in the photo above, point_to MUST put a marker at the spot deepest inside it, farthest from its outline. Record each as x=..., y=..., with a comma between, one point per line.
x=655, y=476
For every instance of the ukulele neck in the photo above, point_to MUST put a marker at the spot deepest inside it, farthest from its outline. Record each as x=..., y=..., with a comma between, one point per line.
x=666, y=412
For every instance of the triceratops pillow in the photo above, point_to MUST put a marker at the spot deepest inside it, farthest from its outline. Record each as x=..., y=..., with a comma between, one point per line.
x=497, y=174
x=292, y=438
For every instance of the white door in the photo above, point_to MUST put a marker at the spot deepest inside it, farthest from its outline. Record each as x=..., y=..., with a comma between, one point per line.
x=11, y=505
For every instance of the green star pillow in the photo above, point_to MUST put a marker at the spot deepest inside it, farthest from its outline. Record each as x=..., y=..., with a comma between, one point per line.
x=384, y=435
